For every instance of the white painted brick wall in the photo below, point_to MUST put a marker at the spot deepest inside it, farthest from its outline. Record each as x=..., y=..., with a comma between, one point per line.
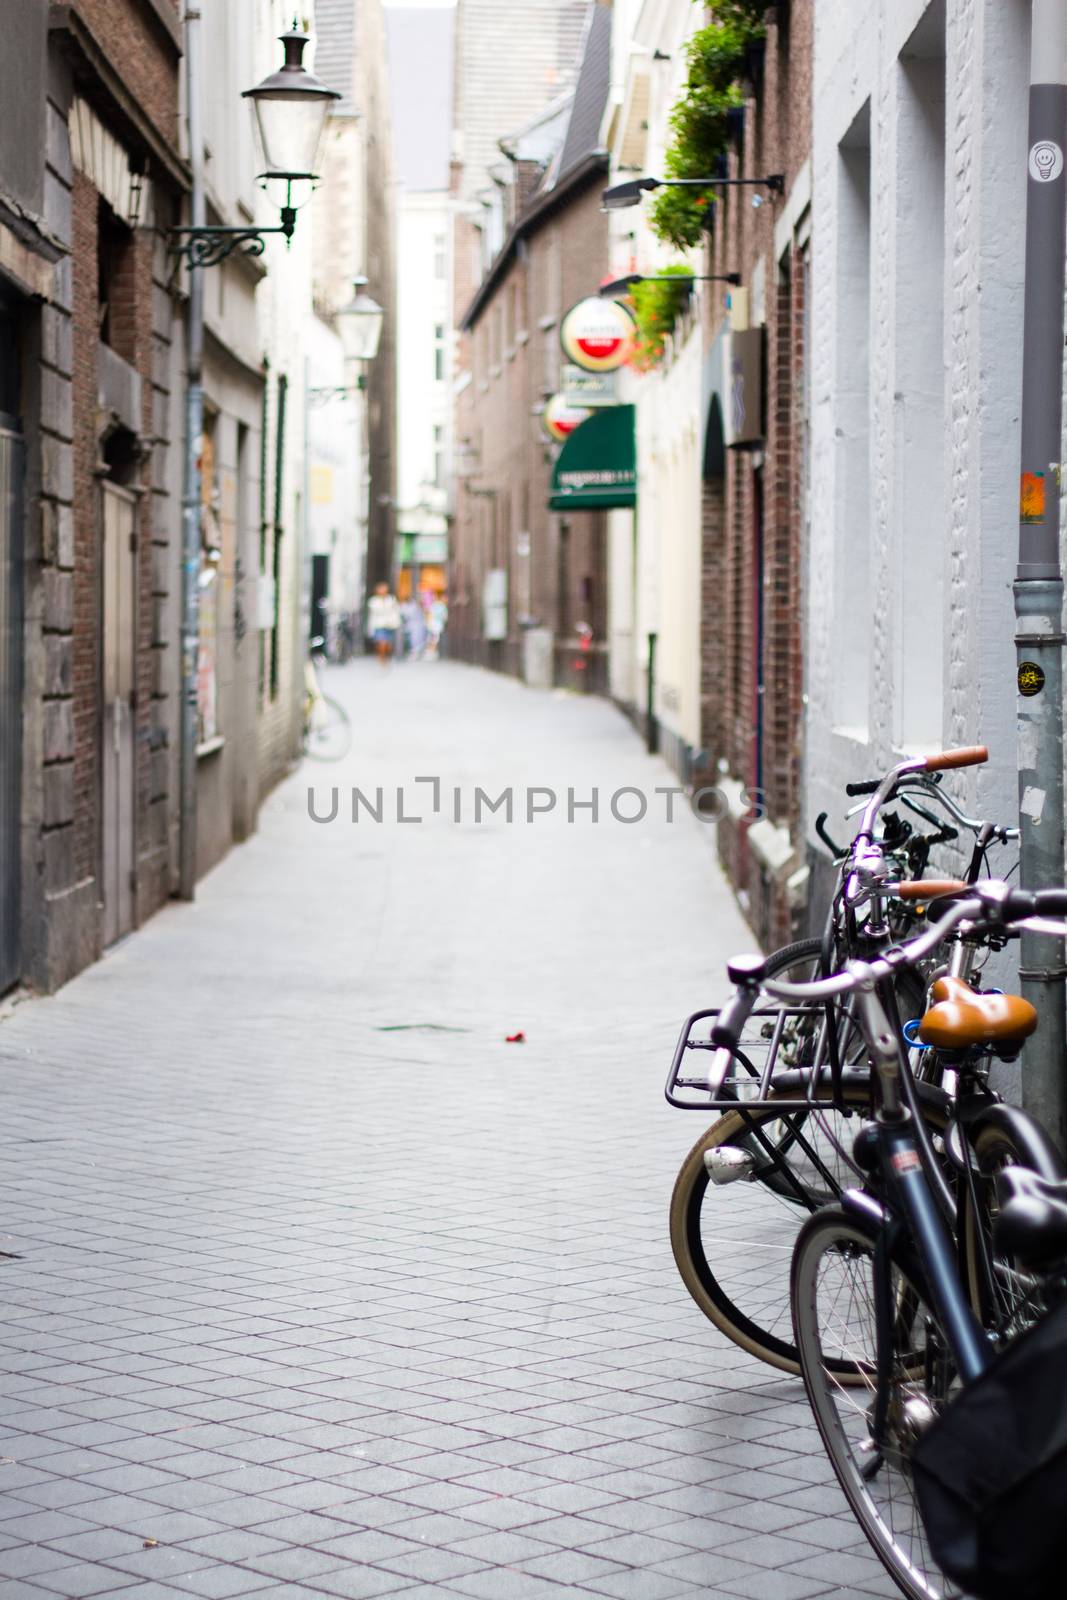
x=857, y=46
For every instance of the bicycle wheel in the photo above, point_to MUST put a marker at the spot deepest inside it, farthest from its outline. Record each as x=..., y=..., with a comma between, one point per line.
x=1007, y=1297
x=328, y=735
x=833, y=1308
x=732, y=1245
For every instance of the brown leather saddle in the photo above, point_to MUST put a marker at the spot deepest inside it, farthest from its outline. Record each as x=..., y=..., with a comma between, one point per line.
x=961, y=1019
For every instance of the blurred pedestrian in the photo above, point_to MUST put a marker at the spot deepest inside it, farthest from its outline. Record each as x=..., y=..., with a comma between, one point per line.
x=436, y=621
x=414, y=628
x=383, y=622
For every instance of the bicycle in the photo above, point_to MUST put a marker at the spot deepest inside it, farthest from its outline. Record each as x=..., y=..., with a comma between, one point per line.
x=327, y=733
x=797, y=1161
x=886, y=1304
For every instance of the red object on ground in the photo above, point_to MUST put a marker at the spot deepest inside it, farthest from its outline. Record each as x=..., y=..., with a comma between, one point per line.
x=515, y=1038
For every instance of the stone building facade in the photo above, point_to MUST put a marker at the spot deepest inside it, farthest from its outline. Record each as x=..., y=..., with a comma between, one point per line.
x=93, y=306
x=86, y=285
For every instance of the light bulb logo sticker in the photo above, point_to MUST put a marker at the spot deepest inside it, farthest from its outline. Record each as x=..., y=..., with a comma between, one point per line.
x=1046, y=161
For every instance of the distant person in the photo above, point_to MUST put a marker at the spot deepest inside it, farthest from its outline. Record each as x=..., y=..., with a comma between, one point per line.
x=383, y=622
x=414, y=628
x=436, y=621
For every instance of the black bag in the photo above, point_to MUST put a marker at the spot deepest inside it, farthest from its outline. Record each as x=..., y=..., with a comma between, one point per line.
x=991, y=1473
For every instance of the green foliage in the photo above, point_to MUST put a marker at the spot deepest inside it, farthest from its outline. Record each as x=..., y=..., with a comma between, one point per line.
x=699, y=120
x=657, y=307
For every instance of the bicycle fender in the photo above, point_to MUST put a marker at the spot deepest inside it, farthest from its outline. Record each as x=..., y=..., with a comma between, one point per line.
x=1030, y=1137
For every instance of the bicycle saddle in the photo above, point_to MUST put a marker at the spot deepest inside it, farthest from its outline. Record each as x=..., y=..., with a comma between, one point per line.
x=1032, y=1224
x=960, y=1018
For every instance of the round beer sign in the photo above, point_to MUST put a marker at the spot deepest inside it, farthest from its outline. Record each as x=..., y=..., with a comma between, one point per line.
x=559, y=420
x=597, y=335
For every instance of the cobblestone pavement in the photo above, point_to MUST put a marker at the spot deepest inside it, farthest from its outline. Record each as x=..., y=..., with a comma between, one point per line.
x=322, y=1288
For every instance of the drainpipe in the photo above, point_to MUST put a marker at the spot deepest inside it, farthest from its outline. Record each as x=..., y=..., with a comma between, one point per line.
x=194, y=427
x=1039, y=582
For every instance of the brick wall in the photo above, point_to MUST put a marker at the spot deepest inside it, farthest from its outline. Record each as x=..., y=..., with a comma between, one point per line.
x=137, y=44
x=756, y=518
x=562, y=581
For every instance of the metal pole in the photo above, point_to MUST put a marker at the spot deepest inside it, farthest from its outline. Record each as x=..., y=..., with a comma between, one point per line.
x=194, y=427
x=1039, y=583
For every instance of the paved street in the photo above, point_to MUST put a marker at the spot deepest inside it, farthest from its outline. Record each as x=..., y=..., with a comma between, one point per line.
x=319, y=1286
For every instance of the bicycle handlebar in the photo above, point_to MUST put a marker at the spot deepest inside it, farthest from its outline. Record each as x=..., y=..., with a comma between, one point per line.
x=971, y=755
x=992, y=903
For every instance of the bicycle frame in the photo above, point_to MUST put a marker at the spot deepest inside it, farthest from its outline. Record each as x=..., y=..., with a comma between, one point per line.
x=903, y=1167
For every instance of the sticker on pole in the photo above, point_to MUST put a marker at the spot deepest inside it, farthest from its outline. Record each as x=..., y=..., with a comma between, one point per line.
x=1032, y=497
x=1031, y=678
x=1046, y=160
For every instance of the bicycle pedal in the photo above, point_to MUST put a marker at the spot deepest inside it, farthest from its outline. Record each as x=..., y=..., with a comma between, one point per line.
x=725, y=1164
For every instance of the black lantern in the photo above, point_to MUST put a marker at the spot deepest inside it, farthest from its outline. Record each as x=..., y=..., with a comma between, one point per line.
x=291, y=107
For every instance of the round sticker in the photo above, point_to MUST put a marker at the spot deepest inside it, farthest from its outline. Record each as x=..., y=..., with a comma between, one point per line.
x=597, y=335
x=1031, y=678
x=559, y=420
x=1046, y=160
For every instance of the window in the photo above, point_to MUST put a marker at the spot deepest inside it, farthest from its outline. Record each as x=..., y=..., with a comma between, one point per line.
x=115, y=282
x=438, y=456
x=919, y=388
x=439, y=351
x=440, y=256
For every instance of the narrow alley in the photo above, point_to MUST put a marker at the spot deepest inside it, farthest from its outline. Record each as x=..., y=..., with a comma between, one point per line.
x=321, y=1287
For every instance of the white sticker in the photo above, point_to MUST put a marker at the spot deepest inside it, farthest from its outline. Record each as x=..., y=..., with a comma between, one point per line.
x=1046, y=160
x=1032, y=805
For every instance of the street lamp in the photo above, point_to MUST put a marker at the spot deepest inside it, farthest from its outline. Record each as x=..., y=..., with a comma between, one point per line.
x=621, y=195
x=359, y=324
x=359, y=327
x=625, y=284
x=290, y=109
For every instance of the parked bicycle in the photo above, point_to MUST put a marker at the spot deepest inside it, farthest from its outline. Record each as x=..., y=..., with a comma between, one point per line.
x=327, y=729
x=936, y=1439
x=798, y=1156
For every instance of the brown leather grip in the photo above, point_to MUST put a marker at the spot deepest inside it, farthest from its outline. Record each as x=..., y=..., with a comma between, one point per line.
x=971, y=755
x=928, y=888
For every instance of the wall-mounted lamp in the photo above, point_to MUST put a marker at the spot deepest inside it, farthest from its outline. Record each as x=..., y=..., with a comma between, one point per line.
x=625, y=284
x=290, y=114
x=630, y=193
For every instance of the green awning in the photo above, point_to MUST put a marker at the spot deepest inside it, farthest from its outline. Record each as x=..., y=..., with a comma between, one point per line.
x=597, y=467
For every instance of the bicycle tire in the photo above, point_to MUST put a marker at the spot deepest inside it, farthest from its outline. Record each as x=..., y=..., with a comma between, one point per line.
x=833, y=1269
x=328, y=735
x=718, y=1279
x=1018, y=1297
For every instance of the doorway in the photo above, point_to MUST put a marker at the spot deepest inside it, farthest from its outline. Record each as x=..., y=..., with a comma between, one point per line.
x=11, y=457
x=118, y=744
x=11, y=508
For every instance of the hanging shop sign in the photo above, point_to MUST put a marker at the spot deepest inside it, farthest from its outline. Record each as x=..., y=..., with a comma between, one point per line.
x=588, y=388
x=559, y=419
x=598, y=335
x=733, y=396
x=597, y=467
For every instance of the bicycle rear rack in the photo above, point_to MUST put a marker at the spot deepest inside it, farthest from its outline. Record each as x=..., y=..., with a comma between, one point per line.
x=780, y=1061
